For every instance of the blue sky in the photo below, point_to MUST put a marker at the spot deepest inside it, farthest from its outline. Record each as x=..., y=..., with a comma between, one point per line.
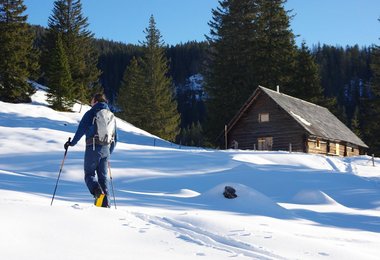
x=334, y=22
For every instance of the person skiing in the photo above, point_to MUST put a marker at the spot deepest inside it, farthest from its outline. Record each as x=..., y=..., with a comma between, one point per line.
x=101, y=139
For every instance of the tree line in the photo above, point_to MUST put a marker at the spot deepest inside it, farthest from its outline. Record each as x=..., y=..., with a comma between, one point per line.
x=250, y=43
x=70, y=65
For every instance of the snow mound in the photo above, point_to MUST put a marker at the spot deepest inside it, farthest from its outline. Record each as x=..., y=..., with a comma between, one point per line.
x=248, y=201
x=313, y=197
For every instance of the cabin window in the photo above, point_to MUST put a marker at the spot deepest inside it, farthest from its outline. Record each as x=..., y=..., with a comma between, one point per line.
x=263, y=117
x=265, y=143
x=318, y=144
x=337, y=149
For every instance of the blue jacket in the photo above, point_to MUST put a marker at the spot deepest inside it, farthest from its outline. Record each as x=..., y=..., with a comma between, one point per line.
x=87, y=127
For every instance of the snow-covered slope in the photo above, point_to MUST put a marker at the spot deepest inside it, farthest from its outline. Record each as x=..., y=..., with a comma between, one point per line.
x=169, y=199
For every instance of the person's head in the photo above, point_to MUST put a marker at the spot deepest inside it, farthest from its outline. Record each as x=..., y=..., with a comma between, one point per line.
x=98, y=97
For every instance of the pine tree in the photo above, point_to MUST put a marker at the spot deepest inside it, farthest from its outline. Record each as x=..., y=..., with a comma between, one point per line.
x=16, y=47
x=250, y=45
x=355, y=123
x=229, y=76
x=114, y=57
x=133, y=96
x=371, y=110
x=159, y=114
x=163, y=107
x=306, y=81
x=58, y=77
x=67, y=20
x=274, y=46
x=192, y=135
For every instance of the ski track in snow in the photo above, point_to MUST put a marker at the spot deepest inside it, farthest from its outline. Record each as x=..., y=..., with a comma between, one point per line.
x=332, y=164
x=199, y=236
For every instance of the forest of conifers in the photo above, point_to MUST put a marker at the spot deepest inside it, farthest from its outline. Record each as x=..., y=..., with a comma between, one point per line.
x=345, y=71
x=186, y=93
x=345, y=74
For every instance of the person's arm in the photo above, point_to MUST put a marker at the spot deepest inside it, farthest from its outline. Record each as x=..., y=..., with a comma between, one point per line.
x=84, y=124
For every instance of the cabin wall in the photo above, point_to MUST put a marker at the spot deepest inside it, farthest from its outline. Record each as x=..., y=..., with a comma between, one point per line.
x=338, y=148
x=281, y=127
x=353, y=150
x=321, y=148
x=266, y=126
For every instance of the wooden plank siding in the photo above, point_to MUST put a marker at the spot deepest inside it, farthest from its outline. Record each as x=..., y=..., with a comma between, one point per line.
x=329, y=147
x=270, y=120
x=281, y=127
x=312, y=146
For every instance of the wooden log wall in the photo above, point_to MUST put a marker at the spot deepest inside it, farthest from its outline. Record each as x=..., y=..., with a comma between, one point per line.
x=330, y=147
x=281, y=127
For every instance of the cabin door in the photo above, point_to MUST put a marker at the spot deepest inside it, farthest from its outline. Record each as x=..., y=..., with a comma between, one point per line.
x=265, y=143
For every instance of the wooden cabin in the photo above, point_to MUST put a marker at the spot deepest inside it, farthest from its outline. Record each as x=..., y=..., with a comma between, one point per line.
x=270, y=120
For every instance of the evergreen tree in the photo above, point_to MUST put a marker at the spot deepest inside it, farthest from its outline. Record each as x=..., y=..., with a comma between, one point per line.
x=58, y=77
x=274, y=45
x=164, y=117
x=306, y=83
x=229, y=77
x=192, y=135
x=186, y=59
x=133, y=96
x=159, y=114
x=16, y=47
x=67, y=20
x=355, y=123
x=250, y=45
x=371, y=110
x=114, y=57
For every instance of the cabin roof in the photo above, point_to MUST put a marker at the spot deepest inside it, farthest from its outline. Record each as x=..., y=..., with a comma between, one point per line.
x=316, y=120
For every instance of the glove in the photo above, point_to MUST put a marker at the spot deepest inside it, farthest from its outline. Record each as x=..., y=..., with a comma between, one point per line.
x=67, y=144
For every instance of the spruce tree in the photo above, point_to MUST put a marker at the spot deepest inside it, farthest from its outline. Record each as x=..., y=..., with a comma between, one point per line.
x=161, y=106
x=67, y=20
x=371, y=110
x=274, y=46
x=16, y=47
x=251, y=44
x=355, y=123
x=306, y=80
x=133, y=95
x=58, y=77
x=153, y=89
x=192, y=135
x=229, y=75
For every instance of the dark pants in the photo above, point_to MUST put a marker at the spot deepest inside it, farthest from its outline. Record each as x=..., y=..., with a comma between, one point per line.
x=96, y=168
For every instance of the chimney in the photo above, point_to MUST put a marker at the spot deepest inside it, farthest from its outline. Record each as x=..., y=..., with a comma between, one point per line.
x=278, y=89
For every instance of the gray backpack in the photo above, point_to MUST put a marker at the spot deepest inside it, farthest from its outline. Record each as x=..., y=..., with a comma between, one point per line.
x=105, y=126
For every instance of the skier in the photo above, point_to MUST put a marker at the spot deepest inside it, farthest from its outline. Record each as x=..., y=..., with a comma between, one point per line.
x=101, y=139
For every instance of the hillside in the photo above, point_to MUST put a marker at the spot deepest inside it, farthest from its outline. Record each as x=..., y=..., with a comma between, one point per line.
x=169, y=199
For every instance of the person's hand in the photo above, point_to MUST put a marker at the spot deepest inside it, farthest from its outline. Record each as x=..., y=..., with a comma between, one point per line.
x=67, y=144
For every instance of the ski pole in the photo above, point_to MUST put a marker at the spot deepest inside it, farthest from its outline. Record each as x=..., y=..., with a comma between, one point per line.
x=113, y=193
x=59, y=174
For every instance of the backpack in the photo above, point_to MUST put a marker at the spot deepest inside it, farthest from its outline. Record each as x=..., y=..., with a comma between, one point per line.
x=105, y=124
